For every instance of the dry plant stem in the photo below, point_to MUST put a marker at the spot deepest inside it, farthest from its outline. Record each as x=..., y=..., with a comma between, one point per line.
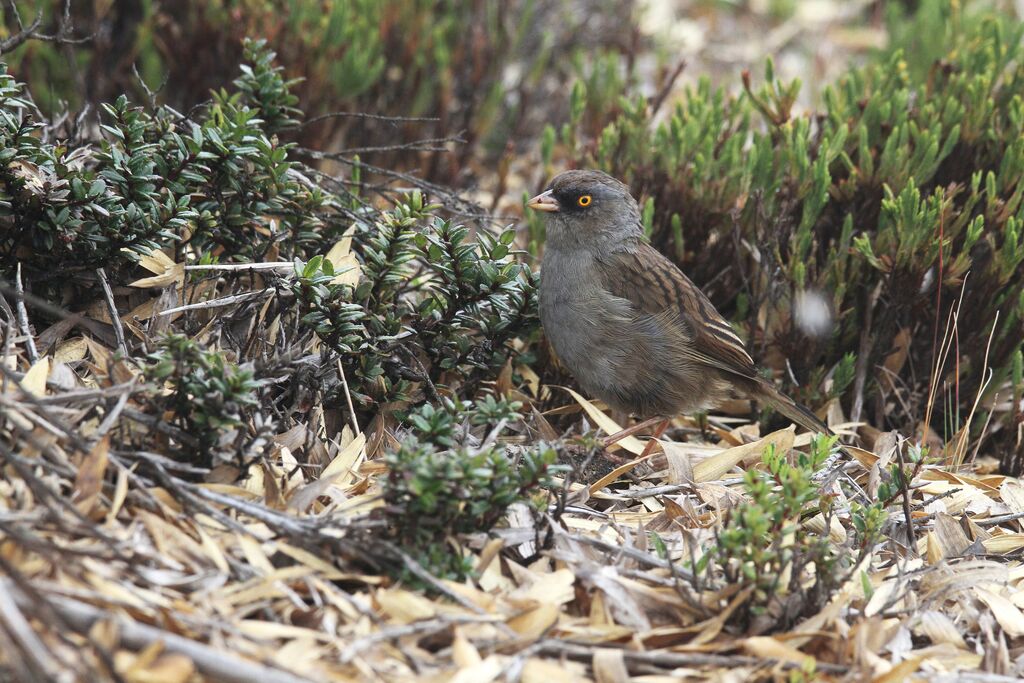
x=861, y=373
x=111, y=417
x=214, y=663
x=904, y=490
x=438, y=585
x=992, y=521
x=371, y=117
x=232, y=267
x=88, y=396
x=218, y=303
x=627, y=551
x=944, y=348
x=348, y=399
x=115, y=318
x=13, y=622
x=653, y=441
x=8, y=342
x=413, y=629
x=960, y=450
x=19, y=303
x=24, y=32
x=18, y=586
x=666, y=490
x=159, y=425
x=585, y=653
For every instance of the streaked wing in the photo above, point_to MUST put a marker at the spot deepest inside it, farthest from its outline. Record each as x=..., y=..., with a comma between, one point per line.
x=656, y=287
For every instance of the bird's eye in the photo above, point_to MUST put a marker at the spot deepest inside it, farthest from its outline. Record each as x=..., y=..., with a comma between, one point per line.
x=584, y=200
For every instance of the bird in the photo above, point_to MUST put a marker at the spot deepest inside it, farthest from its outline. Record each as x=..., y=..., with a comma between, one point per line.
x=632, y=328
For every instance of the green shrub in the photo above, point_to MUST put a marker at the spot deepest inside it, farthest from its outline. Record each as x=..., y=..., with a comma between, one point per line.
x=199, y=391
x=218, y=181
x=791, y=570
x=906, y=180
x=431, y=305
x=438, y=486
x=432, y=309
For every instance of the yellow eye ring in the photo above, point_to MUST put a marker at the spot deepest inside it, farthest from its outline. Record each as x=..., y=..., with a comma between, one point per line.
x=584, y=200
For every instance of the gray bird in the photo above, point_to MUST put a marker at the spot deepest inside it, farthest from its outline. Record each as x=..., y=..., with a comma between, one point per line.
x=632, y=328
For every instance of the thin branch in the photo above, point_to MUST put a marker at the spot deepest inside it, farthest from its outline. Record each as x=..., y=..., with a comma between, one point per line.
x=369, y=117
x=115, y=318
x=214, y=663
x=230, y=267
x=673, y=660
x=26, y=329
x=219, y=303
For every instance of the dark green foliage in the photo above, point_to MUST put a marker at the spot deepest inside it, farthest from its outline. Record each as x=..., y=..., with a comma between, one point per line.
x=266, y=90
x=792, y=570
x=205, y=393
x=905, y=184
x=438, y=488
x=431, y=305
x=478, y=296
x=62, y=209
x=217, y=182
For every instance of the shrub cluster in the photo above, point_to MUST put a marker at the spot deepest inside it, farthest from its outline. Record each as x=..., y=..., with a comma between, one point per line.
x=898, y=201
x=431, y=306
x=216, y=183
x=418, y=311
x=484, y=72
x=200, y=392
x=764, y=545
x=440, y=485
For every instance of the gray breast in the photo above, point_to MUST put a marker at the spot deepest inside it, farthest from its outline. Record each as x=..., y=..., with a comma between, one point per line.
x=594, y=333
x=616, y=353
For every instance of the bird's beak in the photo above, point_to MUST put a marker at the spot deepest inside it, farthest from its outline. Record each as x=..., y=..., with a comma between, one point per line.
x=543, y=202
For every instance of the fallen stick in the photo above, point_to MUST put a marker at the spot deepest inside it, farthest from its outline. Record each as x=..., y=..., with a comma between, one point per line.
x=215, y=664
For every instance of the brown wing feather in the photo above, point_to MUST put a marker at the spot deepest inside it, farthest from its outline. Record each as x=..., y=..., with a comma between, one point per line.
x=655, y=286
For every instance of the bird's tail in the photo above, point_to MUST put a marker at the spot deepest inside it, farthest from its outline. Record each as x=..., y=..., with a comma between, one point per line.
x=766, y=393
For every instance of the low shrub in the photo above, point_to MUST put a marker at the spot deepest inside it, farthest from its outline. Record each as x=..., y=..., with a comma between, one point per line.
x=894, y=204
x=765, y=545
x=440, y=485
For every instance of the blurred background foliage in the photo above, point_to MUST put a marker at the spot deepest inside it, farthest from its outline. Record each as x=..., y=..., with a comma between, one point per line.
x=888, y=198
x=897, y=201
x=483, y=72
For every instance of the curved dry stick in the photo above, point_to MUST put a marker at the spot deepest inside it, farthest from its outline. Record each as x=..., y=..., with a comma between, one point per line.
x=211, y=662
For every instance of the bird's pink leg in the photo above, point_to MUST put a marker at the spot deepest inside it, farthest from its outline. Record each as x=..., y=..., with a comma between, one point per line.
x=638, y=427
x=658, y=431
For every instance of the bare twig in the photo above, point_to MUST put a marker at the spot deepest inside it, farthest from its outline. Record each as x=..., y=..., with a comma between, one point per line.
x=348, y=399
x=14, y=622
x=370, y=117
x=31, y=32
x=414, y=629
x=24, y=33
x=115, y=318
x=626, y=551
x=230, y=267
x=673, y=660
x=864, y=355
x=219, y=303
x=214, y=663
x=26, y=329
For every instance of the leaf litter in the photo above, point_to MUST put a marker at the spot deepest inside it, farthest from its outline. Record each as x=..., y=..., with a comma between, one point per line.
x=120, y=563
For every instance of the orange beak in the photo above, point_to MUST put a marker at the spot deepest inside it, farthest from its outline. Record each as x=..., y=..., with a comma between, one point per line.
x=543, y=202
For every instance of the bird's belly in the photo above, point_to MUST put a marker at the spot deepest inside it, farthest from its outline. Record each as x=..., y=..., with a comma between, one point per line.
x=619, y=360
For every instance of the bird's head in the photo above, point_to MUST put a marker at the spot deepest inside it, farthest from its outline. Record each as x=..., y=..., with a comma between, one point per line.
x=584, y=208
